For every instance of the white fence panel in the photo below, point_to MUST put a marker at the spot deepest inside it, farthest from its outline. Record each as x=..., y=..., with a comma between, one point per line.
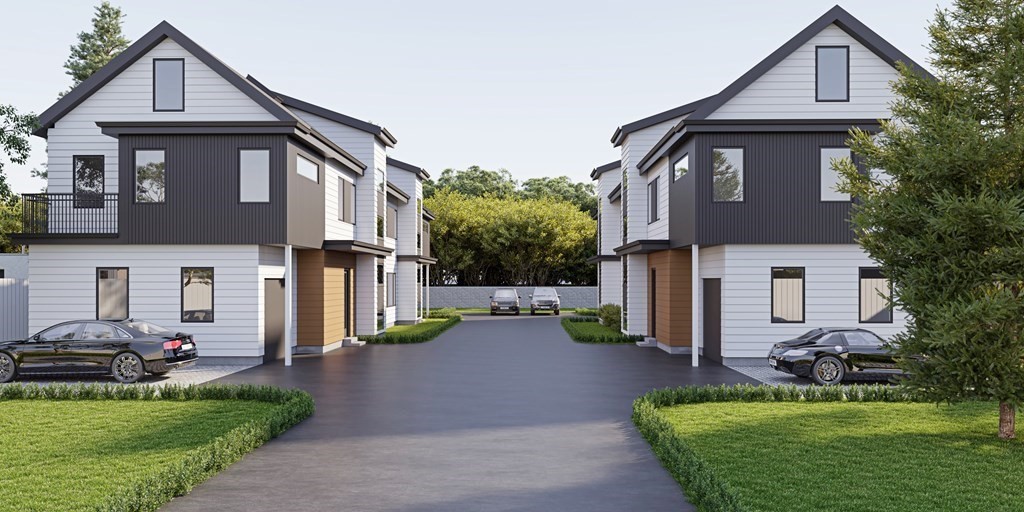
x=13, y=308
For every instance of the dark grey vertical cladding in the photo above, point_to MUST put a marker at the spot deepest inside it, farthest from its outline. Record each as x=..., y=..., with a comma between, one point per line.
x=305, y=200
x=782, y=196
x=682, y=204
x=202, y=192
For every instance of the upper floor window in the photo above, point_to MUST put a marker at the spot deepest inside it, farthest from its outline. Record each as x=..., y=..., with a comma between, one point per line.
x=727, y=174
x=150, y=176
x=88, y=181
x=307, y=168
x=392, y=223
x=168, y=85
x=652, y=202
x=254, y=175
x=346, y=201
x=829, y=176
x=787, y=295
x=681, y=167
x=832, y=73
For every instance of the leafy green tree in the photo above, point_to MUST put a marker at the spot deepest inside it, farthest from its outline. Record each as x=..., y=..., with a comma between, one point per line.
x=10, y=222
x=947, y=222
x=580, y=194
x=15, y=130
x=96, y=48
x=474, y=182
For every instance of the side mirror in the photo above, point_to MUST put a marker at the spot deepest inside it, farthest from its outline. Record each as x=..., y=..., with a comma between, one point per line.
x=34, y=338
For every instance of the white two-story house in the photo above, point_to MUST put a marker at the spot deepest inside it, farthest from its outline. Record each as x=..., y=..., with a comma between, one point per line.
x=186, y=194
x=721, y=227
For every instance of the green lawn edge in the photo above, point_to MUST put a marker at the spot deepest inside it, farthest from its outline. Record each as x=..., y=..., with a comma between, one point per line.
x=702, y=486
x=199, y=464
x=574, y=327
x=428, y=332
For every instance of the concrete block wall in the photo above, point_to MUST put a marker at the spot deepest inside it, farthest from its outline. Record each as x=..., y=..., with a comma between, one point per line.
x=479, y=296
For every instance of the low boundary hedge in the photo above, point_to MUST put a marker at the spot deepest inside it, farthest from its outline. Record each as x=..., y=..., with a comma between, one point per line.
x=572, y=325
x=426, y=334
x=586, y=312
x=198, y=464
x=703, y=487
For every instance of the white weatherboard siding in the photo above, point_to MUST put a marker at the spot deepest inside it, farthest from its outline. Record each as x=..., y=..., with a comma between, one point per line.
x=406, y=293
x=636, y=294
x=711, y=265
x=831, y=281
x=611, y=282
x=129, y=97
x=634, y=148
x=64, y=288
x=658, y=230
x=408, y=218
x=335, y=229
x=366, y=294
x=787, y=90
x=271, y=266
x=611, y=214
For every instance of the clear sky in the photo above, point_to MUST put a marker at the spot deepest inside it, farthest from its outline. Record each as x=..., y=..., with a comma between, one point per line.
x=534, y=86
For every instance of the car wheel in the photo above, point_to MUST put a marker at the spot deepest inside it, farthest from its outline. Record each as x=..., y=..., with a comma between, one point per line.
x=127, y=368
x=517, y=312
x=8, y=368
x=827, y=371
x=533, y=312
x=493, y=313
x=558, y=312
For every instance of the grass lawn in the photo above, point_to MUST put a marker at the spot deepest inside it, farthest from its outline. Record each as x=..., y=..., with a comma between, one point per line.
x=852, y=456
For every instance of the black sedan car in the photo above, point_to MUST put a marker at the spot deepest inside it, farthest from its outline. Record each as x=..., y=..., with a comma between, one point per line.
x=126, y=349
x=830, y=355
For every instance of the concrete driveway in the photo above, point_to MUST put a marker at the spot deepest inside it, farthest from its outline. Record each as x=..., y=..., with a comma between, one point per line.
x=497, y=414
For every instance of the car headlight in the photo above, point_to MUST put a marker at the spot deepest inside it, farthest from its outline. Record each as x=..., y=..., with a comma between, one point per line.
x=795, y=352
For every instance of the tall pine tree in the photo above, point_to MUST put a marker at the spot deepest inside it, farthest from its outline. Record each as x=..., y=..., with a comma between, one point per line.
x=947, y=223
x=96, y=48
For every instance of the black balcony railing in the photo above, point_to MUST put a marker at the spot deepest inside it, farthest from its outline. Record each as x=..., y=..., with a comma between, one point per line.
x=69, y=214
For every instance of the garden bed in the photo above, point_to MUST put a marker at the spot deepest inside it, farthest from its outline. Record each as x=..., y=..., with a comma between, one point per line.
x=426, y=330
x=120, y=448
x=858, y=448
x=587, y=329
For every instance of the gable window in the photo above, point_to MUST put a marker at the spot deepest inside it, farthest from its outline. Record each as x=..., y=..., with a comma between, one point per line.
x=652, y=194
x=254, y=175
x=829, y=177
x=875, y=291
x=197, y=294
x=307, y=168
x=150, y=176
x=727, y=174
x=168, y=85
x=111, y=293
x=88, y=181
x=681, y=167
x=832, y=73
x=787, y=295
x=346, y=201
x=392, y=222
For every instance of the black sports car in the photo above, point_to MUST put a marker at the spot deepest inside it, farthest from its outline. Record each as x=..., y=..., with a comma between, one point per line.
x=829, y=355
x=126, y=349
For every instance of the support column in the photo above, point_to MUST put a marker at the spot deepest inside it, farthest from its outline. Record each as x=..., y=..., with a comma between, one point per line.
x=289, y=284
x=695, y=305
x=426, y=283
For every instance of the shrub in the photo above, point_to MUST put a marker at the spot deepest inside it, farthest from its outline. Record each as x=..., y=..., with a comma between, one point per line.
x=586, y=329
x=610, y=315
x=442, y=313
x=586, y=311
x=418, y=333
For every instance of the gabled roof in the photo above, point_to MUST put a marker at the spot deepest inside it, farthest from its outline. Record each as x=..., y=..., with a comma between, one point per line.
x=419, y=171
x=647, y=122
x=612, y=166
x=164, y=30
x=836, y=15
x=382, y=134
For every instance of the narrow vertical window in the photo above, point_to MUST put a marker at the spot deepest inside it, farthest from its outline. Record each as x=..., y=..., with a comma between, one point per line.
x=875, y=291
x=254, y=176
x=829, y=176
x=380, y=297
x=681, y=167
x=392, y=222
x=111, y=293
x=88, y=181
x=832, y=70
x=652, y=193
x=392, y=289
x=150, y=176
x=727, y=174
x=346, y=201
x=307, y=168
x=787, y=295
x=168, y=85
x=197, y=294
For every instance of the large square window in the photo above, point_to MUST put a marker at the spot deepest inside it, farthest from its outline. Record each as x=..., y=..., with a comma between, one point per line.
x=832, y=70
x=727, y=174
x=150, y=176
x=254, y=175
x=168, y=85
x=829, y=176
x=787, y=295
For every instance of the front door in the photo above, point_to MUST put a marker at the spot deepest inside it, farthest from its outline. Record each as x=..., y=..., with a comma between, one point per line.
x=713, y=319
x=273, y=320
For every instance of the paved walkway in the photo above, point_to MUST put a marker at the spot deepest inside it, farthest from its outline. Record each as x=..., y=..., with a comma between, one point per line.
x=198, y=374
x=498, y=414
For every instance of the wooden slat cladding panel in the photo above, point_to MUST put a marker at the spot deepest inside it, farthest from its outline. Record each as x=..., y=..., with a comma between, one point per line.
x=321, y=302
x=672, y=304
x=202, y=192
x=335, y=302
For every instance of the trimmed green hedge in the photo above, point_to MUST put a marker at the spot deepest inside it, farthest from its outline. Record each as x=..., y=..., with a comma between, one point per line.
x=703, y=488
x=443, y=313
x=610, y=315
x=587, y=329
x=418, y=333
x=586, y=311
x=198, y=464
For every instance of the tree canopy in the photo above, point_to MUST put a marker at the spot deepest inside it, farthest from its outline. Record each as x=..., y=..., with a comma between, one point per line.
x=97, y=47
x=946, y=220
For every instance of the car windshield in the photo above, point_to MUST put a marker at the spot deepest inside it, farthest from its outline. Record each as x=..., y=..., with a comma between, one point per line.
x=544, y=292
x=146, y=327
x=505, y=294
